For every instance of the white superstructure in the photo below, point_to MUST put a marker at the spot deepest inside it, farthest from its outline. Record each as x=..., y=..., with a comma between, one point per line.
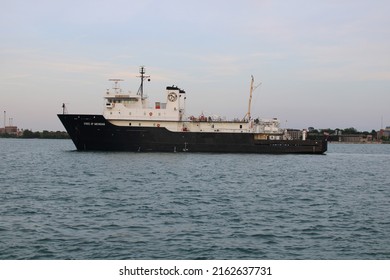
x=126, y=109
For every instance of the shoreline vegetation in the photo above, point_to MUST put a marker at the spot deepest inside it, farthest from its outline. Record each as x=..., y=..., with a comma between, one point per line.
x=45, y=134
x=349, y=135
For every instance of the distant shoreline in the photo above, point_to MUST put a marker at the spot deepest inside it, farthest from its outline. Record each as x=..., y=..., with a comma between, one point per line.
x=28, y=134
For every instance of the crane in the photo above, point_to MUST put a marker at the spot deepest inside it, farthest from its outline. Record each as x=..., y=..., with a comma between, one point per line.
x=252, y=89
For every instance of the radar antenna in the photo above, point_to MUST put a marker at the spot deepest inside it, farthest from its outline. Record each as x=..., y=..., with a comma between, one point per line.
x=116, y=86
x=143, y=77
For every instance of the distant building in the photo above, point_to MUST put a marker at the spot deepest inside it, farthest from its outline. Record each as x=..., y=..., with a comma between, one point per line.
x=384, y=134
x=11, y=130
x=386, y=131
x=351, y=138
x=356, y=138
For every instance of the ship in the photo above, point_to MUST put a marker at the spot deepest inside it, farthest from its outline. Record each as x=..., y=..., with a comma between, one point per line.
x=130, y=122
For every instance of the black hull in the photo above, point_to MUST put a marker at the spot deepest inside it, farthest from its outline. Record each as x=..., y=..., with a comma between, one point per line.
x=94, y=132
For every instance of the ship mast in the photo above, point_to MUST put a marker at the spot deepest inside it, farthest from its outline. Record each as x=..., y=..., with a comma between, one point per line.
x=143, y=77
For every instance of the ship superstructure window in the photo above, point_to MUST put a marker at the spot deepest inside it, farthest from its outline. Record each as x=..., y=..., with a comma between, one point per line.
x=240, y=125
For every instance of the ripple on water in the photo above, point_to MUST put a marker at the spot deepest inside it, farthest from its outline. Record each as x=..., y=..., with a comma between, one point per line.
x=60, y=204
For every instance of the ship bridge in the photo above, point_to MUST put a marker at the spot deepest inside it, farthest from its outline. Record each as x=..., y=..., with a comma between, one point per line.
x=136, y=107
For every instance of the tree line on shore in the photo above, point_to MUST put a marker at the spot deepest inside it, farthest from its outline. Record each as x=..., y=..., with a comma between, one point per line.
x=338, y=131
x=26, y=133
x=334, y=134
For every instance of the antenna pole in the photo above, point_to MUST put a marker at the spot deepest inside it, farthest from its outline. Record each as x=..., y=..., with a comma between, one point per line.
x=382, y=122
x=143, y=77
x=142, y=72
x=64, y=111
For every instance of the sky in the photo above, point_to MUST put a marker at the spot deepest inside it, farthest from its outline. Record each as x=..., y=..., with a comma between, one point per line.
x=322, y=64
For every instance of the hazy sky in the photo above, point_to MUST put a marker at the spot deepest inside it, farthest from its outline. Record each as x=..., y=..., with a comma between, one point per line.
x=321, y=63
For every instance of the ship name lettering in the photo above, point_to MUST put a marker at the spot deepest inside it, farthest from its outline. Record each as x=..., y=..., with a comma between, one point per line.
x=92, y=123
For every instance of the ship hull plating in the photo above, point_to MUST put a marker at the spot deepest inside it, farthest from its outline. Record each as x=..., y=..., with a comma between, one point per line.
x=94, y=132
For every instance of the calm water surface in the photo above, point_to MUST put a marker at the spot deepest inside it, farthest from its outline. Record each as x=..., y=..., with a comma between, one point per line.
x=56, y=203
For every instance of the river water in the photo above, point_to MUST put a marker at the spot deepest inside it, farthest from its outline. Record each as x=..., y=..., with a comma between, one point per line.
x=57, y=203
